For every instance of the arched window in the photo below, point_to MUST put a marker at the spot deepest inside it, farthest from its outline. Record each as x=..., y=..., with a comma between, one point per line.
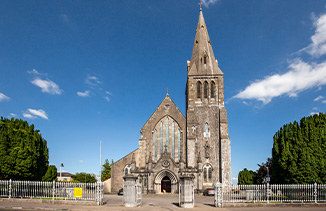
x=161, y=138
x=167, y=133
x=205, y=89
x=173, y=144
x=155, y=145
x=179, y=147
x=206, y=134
x=207, y=173
x=205, y=59
x=198, y=89
x=212, y=89
x=127, y=169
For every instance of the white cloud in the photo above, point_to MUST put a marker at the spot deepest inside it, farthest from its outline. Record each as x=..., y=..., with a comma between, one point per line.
x=206, y=3
x=246, y=103
x=313, y=113
x=84, y=94
x=300, y=77
x=318, y=98
x=92, y=80
x=13, y=114
x=324, y=101
x=81, y=161
x=107, y=98
x=3, y=97
x=318, y=45
x=33, y=113
x=33, y=72
x=29, y=116
x=47, y=86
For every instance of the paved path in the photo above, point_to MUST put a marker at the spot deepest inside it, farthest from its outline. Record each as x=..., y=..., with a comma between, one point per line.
x=149, y=202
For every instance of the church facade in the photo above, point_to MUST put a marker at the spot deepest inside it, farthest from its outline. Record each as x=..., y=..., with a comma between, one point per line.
x=172, y=145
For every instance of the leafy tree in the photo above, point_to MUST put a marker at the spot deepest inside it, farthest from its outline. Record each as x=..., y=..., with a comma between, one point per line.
x=84, y=178
x=106, y=170
x=299, y=151
x=246, y=177
x=261, y=173
x=24, y=153
x=51, y=174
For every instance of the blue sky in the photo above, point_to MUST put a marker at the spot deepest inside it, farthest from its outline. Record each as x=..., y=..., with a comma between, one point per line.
x=85, y=71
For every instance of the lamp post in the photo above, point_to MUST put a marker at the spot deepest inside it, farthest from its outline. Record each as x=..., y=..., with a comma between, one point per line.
x=268, y=179
x=61, y=171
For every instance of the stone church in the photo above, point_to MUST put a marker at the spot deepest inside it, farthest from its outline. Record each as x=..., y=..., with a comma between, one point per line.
x=172, y=145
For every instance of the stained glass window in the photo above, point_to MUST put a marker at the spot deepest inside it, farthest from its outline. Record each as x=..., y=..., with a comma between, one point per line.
x=155, y=145
x=179, y=154
x=161, y=138
x=207, y=173
x=173, y=150
x=167, y=133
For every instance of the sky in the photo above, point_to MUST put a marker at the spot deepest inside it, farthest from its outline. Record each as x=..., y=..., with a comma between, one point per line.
x=89, y=71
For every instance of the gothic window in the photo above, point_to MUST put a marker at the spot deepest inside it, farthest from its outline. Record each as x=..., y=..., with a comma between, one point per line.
x=167, y=133
x=212, y=89
x=207, y=173
x=205, y=59
x=155, y=145
x=179, y=154
x=145, y=181
x=161, y=138
x=173, y=148
x=205, y=89
x=206, y=134
x=127, y=169
x=198, y=89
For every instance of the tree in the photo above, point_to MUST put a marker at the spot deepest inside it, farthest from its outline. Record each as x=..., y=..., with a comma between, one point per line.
x=261, y=173
x=106, y=170
x=51, y=174
x=24, y=153
x=246, y=177
x=299, y=151
x=84, y=178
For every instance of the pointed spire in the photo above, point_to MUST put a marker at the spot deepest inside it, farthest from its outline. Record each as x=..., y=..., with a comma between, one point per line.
x=203, y=61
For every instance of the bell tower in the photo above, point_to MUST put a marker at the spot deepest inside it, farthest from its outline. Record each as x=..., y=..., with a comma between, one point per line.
x=207, y=124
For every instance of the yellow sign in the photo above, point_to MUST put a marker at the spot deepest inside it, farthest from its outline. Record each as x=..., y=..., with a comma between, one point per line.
x=78, y=193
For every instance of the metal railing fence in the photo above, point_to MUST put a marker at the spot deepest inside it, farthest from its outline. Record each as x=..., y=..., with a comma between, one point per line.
x=52, y=190
x=275, y=193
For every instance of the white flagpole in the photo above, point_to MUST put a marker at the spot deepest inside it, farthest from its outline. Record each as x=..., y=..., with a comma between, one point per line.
x=100, y=160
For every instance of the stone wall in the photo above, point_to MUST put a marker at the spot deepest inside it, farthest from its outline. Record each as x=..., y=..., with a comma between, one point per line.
x=117, y=171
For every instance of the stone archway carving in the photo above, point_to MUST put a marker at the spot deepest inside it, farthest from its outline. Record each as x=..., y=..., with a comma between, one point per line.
x=166, y=173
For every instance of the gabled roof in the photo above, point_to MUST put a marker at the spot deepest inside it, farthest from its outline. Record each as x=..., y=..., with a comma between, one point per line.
x=64, y=174
x=167, y=101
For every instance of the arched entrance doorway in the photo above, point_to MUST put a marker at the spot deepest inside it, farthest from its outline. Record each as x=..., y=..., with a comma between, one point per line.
x=166, y=185
x=166, y=180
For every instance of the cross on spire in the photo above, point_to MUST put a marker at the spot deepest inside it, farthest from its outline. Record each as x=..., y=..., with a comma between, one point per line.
x=167, y=90
x=200, y=3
